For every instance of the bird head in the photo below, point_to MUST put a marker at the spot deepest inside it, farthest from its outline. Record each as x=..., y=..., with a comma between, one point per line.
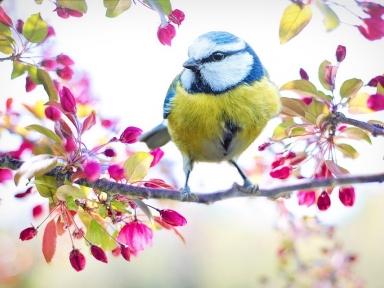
x=218, y=62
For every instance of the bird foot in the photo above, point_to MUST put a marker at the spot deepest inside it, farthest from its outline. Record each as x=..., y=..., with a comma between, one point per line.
x=187, y=196
x=249, y=188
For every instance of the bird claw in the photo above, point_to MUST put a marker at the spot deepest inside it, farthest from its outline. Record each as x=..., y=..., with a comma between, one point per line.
x=249, y=188
x=187, y=196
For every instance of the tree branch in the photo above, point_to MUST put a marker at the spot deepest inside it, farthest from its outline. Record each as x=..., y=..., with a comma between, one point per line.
x=112, y=188
x=376, y=130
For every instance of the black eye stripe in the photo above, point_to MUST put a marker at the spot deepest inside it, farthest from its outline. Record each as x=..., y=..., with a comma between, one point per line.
x=219, y=55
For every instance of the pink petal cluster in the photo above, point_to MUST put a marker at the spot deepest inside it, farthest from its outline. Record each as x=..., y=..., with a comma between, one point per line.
x=136, y=235
x=116, y=172
x=376, y=102
x=92, y=171
x=306, y=197
x=5, y=175
x=166, y=32
x=65, y=13
x=373, y=27
x=281, y=172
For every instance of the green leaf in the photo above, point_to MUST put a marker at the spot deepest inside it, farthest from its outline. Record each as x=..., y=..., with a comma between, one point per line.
x=35, y=29
x=336, y=169
x=46, y=185
x=5, y=45
x=380, y=89
x=108, y=243
x=160, y=6
x=143, y=208
x=295, y=130
x=350, y=87
x=137, y=166
x=38, y=1
x=116, y=7
x=49, y=241
x=47, y=82
x=71, y=204
x=321, y=118
x=78, y=5
x=103, y=211
x=347, y=150
x=5, y=30
x=310, y=118
x=331, y=21
x=32, y=71
x=119, y=206
x=316, y=108
x=278, y=133
x=94, y=233
x=358, y=104
x=322, y=96
x=293, y=107
x=322, y=75
x=302, y=87
x=18, y=69
x=355, y=134
x=35, y=166
x=64, y=191
x=45, y=131
x=293, y=21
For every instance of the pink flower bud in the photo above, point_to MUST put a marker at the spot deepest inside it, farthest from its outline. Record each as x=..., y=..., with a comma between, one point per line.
x=48, y=64
x=157, y=155
x=376, y=102
x=130, y=135
x=92, y=171
x=64, y=60
x=5, y=175
x=341, y=51
x=306, y=100
x=52, y=113
x=19, y=26
x=281, y=172
x=69, y=144
x=177, y=16
x=125, y=252
x=67, y=100
x=65, y=73
x=99, y=254
x=28, y=234
x=62, y=12
x=166, y=34
x=51, y=32
x=116, y=172
x=264, y=146
x=341, y=128
x=306, y=197
x=323, y=202
x=29, y=84
x=347, y=196
x=109, y=152
x=37, y=211
x=74, y=13
x=303, y=74
x=77, y=260
x=172, y=217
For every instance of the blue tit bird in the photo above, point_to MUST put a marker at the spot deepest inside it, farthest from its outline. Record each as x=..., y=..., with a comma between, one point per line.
x=217, y=106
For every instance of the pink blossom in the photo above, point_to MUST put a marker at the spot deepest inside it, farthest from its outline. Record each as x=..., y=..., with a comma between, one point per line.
x=28, y=233
x=176, y=16
x=172, y=217
x=48, y=64
x=374, y=9
x=130, y=135
x=372, y=28
x=281, y=172
x=166, y=34
x=77, y=260
x=51, y=32
x=306, y=197
x=116, y=172
x=157, y=155
x=347, y=196
x=136, y=235
x=65, y=73
x=376, y=80
x=92, y=171
x=64, y=60
x=37, y=211
x=376, y=102
x=29, y=84
x=52, y=113
x=324, y=201
x=67, y=100
x=5, y=175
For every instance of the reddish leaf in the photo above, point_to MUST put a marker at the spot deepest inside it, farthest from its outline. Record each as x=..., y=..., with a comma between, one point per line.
x=4, y=18
x=89, y=122
x=49, y=241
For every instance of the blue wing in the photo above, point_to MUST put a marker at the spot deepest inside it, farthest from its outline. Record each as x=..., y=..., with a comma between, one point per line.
x=167, y=108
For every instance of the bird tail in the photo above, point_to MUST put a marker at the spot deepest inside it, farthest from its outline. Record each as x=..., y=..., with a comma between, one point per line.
x=156, y=137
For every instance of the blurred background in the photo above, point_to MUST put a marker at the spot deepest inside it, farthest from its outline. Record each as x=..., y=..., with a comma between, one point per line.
x=234, y=243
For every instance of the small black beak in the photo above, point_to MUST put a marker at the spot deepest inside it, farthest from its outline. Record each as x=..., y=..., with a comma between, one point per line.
x=192, y=64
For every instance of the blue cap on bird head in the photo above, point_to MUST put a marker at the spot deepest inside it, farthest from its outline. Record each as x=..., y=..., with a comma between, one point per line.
x=219, y=61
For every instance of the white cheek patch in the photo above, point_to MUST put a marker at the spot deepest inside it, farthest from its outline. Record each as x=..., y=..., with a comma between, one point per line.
x=228, y=72
x=187, y=78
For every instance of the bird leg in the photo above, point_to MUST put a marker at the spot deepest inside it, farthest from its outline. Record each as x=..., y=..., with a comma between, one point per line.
x=186, y=195
x=247, y=187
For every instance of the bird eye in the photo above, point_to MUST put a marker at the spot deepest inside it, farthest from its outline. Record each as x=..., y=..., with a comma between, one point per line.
x=218, y=56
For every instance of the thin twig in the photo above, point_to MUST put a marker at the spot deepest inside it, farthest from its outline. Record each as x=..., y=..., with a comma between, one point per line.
x=113, y=188
x=376, y=130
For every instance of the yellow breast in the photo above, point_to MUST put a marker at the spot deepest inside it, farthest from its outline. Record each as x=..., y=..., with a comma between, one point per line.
x=197, y=121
